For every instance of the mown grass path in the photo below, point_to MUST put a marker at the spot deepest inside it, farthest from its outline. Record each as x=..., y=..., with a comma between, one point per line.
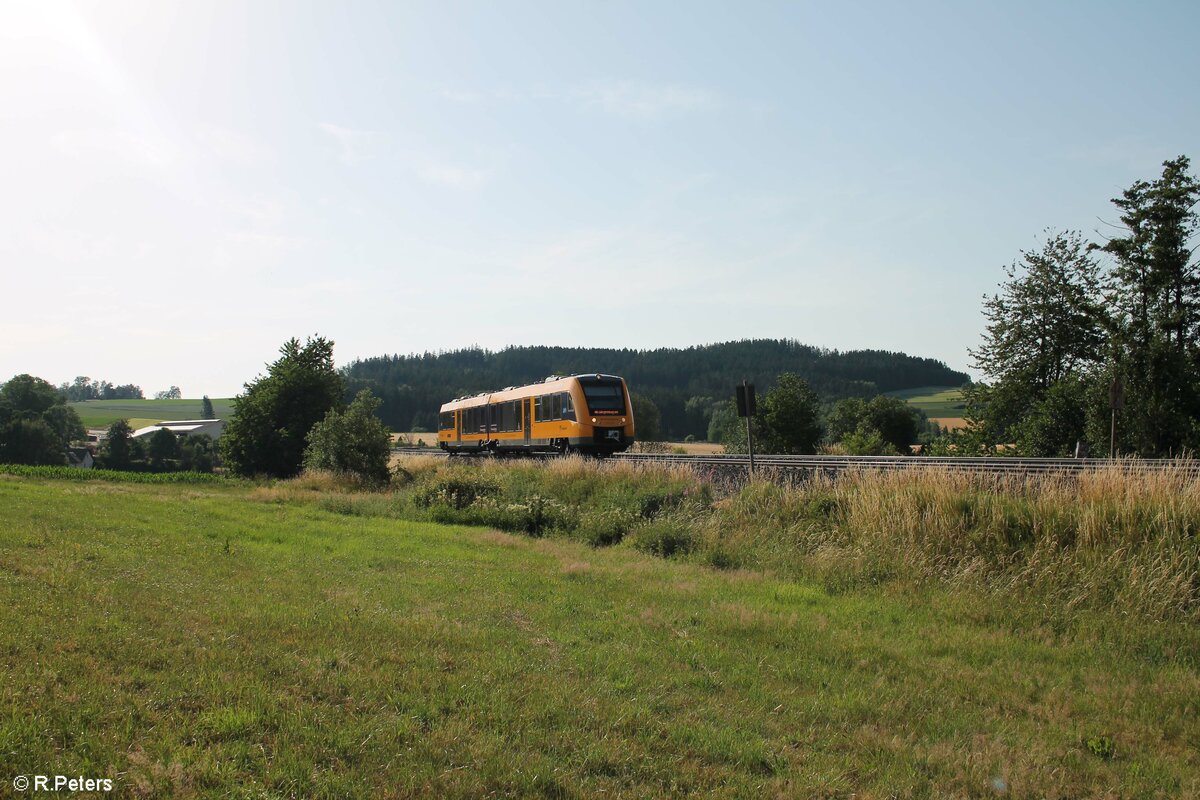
x=193, y=641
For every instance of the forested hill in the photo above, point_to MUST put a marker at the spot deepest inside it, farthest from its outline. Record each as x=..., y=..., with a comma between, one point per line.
x=414, y=386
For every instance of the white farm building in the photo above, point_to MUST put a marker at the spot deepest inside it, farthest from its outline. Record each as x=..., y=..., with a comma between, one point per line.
x=185, y=427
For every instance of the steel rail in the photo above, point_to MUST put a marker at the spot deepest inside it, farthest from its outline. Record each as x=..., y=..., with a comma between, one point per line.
x=1004, y=464
x=949, y=463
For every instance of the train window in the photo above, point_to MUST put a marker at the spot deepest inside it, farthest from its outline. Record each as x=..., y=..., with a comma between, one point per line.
x=568, y=411
x=446, y=419
x=539, y=409
x=604, y=396
x=557, y=406
x=519, y=412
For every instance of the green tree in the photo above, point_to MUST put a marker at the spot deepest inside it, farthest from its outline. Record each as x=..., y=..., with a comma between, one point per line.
x=845, y=417
x=788, y=420
x=271, y=420
x=1045, y=325
x=36, y=425
x=791, y=417
x=174, y=393
x=897, y=423
x=647, y=420
x=698, y=412
x=723, y=422
x=65, y=423
x=117, y=452
x=197, y=453
x=352, y=442
x=27, y=394
x=868, y=441
x=163, y=449
x=31, y=441
x=206, y=408
x=1045, y=322
x=1154, y=296
x=1055, y=423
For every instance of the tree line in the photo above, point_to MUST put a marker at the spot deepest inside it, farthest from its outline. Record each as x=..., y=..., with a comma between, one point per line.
x=686, y=386
x=1092, y=346
x=84, y=388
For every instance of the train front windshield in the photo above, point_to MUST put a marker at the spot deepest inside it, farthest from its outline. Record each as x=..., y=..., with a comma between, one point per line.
x=604, y=397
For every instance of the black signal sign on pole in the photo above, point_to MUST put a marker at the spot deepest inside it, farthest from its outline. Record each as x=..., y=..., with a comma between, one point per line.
x=746, y=406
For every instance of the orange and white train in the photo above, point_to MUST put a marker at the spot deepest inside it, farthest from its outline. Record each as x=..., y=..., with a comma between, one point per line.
x=589, y=414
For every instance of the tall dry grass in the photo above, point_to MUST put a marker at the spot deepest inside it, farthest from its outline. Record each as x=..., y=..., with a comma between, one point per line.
x=1118, y=538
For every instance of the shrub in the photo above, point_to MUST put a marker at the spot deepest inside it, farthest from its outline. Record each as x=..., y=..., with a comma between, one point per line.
x=353, y=441
x=605, y=527
x=665, y=537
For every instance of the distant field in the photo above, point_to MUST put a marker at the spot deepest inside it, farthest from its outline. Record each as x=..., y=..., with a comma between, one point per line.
x=938, y=402
x=101, y=413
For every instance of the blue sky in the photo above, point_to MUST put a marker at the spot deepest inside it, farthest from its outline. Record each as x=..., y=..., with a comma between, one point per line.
x=186, y=185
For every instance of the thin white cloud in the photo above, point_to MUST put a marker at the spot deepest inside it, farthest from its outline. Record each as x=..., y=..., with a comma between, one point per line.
x=354, y=145
x=637, y=99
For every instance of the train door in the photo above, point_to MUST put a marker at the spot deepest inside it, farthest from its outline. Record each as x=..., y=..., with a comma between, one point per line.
x=525, y=404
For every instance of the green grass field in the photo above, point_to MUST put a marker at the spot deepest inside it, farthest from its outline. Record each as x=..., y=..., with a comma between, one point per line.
x=102, y=413
x=227, y=641
x=935, y=401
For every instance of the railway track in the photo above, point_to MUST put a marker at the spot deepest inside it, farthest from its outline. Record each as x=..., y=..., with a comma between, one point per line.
x=834, y=464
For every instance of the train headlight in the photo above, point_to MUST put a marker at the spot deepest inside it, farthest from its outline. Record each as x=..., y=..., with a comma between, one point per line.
x=622, y=420
x=593, y=419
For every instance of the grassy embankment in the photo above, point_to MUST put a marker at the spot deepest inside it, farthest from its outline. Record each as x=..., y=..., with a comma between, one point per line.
x=893, y=635
x=102, y=413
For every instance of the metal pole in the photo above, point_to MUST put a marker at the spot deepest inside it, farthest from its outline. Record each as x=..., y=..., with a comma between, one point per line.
x=1112, y=436
x=749, y=435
